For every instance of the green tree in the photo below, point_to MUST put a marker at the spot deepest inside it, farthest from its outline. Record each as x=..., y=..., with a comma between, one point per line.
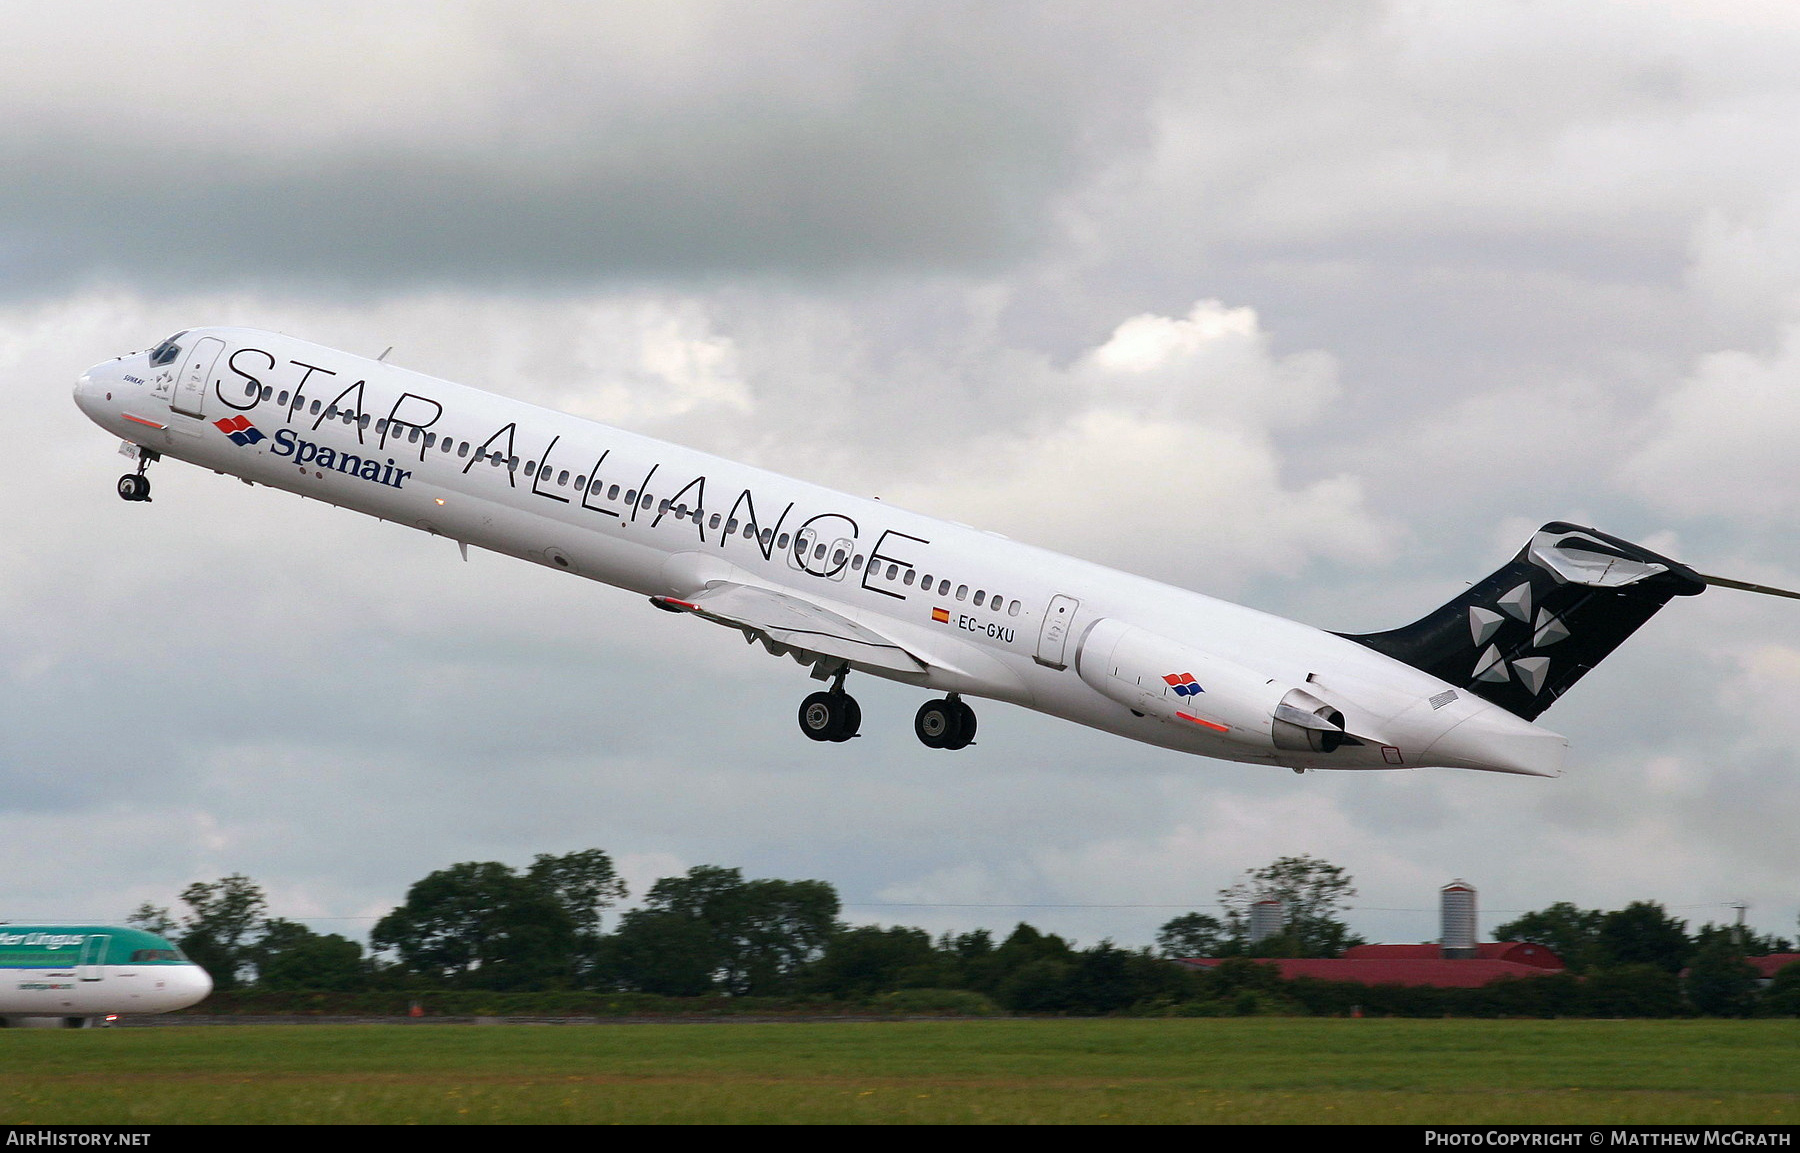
x=153, y=919
x=479, y=924
x=1643, y=933
x=291, y=956
x=1782, y=997
x=219, y=929
x=1633, y=990
x=868, y=959
x=1193, y=935
x=1312, y=893
x=758, y=934
x=1720, y=983
x=661, y=952
x=583, y=884
x=1572, y=934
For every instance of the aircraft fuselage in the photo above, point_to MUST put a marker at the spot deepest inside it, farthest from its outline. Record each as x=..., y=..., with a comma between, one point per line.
x=838, y=581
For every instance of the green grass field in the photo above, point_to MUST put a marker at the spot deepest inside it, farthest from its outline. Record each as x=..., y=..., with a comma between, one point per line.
x=1013, y=1071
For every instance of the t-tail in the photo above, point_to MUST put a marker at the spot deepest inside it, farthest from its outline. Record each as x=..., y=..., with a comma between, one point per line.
x=1524, y=635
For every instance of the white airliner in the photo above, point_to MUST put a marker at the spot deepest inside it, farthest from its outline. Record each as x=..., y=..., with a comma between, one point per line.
x=842, y=583
x=77, y=976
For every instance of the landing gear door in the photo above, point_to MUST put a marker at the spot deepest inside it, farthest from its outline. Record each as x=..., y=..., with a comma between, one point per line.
x=1053, y=638
x=196, y=373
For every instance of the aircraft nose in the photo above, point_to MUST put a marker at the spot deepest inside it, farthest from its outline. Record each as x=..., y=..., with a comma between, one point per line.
x=191, y=987
x=87, y=391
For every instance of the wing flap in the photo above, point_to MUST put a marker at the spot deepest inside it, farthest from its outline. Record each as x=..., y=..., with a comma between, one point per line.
x=796, y=623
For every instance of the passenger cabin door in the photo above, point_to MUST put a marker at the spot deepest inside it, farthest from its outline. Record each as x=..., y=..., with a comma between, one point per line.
x=196, y=374
x=1053, y=638
x=93, y=957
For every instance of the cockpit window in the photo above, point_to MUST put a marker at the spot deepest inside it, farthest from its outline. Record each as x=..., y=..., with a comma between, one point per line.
x=141, y=955
x=167, y=351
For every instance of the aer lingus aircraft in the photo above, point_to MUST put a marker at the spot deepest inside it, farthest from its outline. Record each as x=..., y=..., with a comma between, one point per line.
x=845, y=584
x=78, y=976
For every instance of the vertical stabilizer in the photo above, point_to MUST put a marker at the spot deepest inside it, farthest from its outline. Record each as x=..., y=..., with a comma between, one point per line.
x=1522, y=636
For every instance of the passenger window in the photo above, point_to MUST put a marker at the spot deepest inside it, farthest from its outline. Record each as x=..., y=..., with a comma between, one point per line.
x=781, y=542
x=431, y=440
x=281, y=397
x=856, y=563
x=647, y=498
x=924, y=584
x=979, y=597
x=1012, y=610
x=562, y=477
x=893, y=571
x=766, y=534
x=714, y=522
x=962, y=592
x=838, y=557
x=462, y=449
x=267, y=392
x=613, y=493
x=412, y=436
x=731, y=526
x=315, y=408
x=530, y=467
x=909, y=578
x=664, y=508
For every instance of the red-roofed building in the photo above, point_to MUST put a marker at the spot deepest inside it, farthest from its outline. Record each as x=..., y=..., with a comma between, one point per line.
x=1767, y=967
x=1460, y=962
x=1437, y=971
x=1512, y=952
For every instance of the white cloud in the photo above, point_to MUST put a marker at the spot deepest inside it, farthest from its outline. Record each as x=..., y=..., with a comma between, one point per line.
x=1721, y=443
x=1161, y=459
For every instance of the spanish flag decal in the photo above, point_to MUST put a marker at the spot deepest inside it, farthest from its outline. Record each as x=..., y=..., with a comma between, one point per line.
x=941, y=616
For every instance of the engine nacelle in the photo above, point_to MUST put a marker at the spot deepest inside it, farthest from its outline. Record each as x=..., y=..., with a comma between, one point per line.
x=1161, y=678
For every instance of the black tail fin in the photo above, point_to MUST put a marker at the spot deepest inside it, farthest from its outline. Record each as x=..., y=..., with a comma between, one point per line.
x=1524, y=635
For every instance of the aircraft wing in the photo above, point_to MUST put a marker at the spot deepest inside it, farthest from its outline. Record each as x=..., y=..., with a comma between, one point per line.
x=794, y=623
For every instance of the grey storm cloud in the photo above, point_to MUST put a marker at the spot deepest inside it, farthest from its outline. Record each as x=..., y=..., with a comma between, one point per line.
x=593, y=145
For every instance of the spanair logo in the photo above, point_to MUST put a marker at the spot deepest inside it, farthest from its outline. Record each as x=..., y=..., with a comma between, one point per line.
x=240, y=430
x=1182, y=683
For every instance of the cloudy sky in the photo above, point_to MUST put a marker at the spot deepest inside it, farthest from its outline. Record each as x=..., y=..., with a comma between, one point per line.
x=1320, y=307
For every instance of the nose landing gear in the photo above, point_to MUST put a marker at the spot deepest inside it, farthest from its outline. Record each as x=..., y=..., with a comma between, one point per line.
x=135, y=485
x=945, y=724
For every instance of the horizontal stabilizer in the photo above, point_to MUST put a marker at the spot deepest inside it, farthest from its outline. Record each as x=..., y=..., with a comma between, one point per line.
x=1728, y=583
x=795, y=623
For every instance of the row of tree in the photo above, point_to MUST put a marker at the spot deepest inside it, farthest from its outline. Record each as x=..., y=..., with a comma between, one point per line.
x=488, y=926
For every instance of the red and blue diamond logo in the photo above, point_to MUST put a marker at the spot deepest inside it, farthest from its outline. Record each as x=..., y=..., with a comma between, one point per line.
x=1182, y=683
x=240, y=430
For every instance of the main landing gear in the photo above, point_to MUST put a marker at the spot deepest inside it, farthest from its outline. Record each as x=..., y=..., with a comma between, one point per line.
x=945, y=723
x=832, y=716
x=135, y=485
x=835, y=716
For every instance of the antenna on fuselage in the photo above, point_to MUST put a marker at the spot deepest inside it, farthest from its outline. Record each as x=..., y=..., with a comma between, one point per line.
x=383, y=356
